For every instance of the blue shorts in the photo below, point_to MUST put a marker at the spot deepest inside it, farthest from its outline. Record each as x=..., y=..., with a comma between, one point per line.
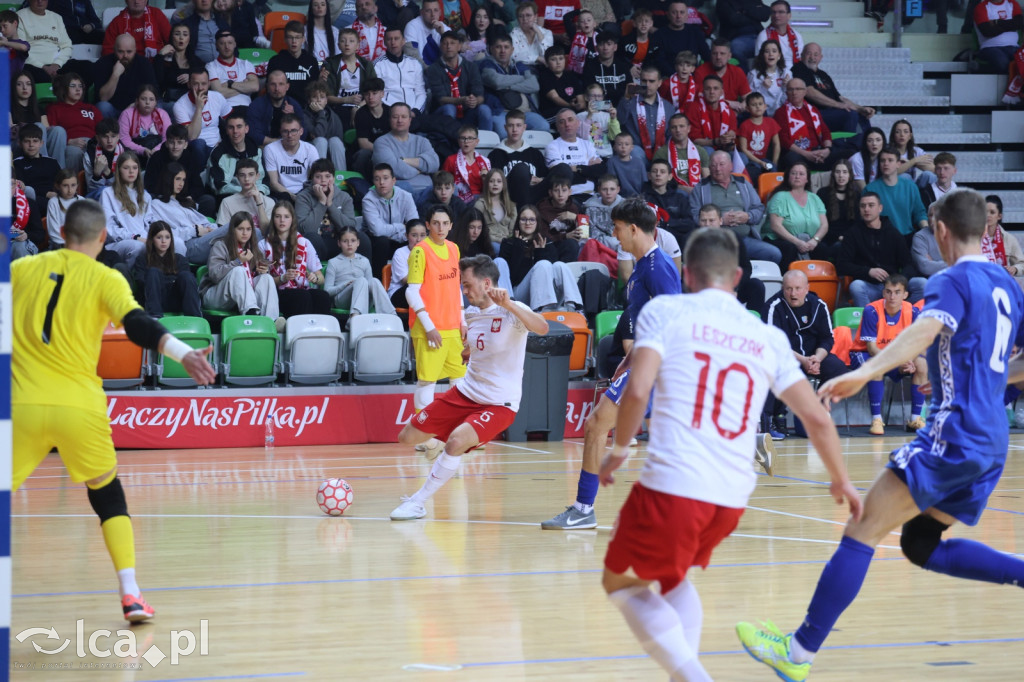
x=858, y=358
x=618, y=387
x=957, y=483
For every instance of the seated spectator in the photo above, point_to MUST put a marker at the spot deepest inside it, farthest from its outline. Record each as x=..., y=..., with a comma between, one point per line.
x=645, y=116
x=370, y=30
x=177, y=148
x=583, y=46
x=539, y=277
x=34, y=170
x=238, y=277
x=742, y=210
x=840, y=113
x=880, y=323
x=522, y=165
x=424, y=33
x=119, y=75
x=173, y=64
x=803, y=133
x=558, y=215
x=322, y=40
x=740, y=23
x=611, y=72
x=466, y=166
x=734, y=82
x=456, y=89
x=250, y=197
x=474, y=47
x=570, y=154
x=899, y=197
x=509, y=86
x=101, y=158
x=629, y=166
x=205, y=24
x=49, y=45
x=201, y=111
x=386, y=210
x=681, y=87
x=842, y=207
x=294, y=265
x=346, y=73
x=349, y=281
x=396, y=13
x=636, y=46
x=529, y=39
x=325, y=128
x=925, y=249
x=872, y=251
x=688, y=162
x=470, y=234
x=267, y=111
x=599, y=122
x=769, y=76
x=288, y=160
x=372, y=120
x=323, y=211
x=298, y=66
x=758, y=138
x=126, y=204
x=713, y=123
x=807, y=323
x=750, y=291
x=142, y=127
x=83, y=25
x=443, y=194
x=999, y=247
x=660, y=192
x=233, y=148
x=791, y=42
x=173, y=206
x=560, y=88
x=678, y=36
x=230, y=76
x=149, y=28
x=411, y=157
x=21, y=229
x=163, y=276
x=66, y=185
x=796, y=218
x=552, y=17
x=415, y=232
x=498, y=209
x=865, y=162
x=74, y=116
x=997, y=23
x=402, y=75
x=25, y=109
x=240, y=16
x=945, y=170
x=915, y=164
x=599, y=210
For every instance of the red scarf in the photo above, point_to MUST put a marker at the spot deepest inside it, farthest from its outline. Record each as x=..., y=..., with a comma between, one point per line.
x=364, y=46
x=278, y=268
x=772, y=34
x=22, y=209
x=247, y=266
x=675, y=91
x=798, y=127
x=117, y=153
x=659, y=127
x=135, y=125
x=726, y=121
x=577, y=53
x=993, y=247
x=123, y=24
x=464, y=176
x=1016, y=84
x=692, y=164
x=453, y=81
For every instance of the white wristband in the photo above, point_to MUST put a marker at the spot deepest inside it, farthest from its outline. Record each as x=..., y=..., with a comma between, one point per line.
x=176, y=349
x=620, y=451
x=424, y=318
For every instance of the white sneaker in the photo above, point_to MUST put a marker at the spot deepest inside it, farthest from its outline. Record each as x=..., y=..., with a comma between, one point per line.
x=432, y=448
x=427, y=445
x=408, y=510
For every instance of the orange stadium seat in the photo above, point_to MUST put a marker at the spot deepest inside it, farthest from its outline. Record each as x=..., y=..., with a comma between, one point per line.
x=278, y=20
x=385, y=276
x=767, y=182
x=121, y=362
x=822, y=277
x=581, y=360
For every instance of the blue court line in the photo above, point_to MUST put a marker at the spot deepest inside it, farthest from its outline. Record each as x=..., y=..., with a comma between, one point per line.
x=259, y=676
x=457, y=576
x=847, y=647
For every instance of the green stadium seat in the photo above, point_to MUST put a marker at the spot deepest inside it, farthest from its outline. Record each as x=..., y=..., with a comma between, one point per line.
x=249, y=346
x=211, y=313
x=44, y=93
x=259, y=57
x=606, y=322
x=195, y=331
x=847, y=317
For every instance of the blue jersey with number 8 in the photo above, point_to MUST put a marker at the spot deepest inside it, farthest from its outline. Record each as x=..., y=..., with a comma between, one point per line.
x=981, y=306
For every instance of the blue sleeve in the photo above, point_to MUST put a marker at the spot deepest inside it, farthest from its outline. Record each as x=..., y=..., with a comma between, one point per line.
x=665, y=278
x=943, y=301
x=914, y=312
x=869, y=324
x=1019, y=336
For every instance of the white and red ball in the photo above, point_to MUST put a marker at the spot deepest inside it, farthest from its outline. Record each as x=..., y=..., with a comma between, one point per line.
x=334, y=496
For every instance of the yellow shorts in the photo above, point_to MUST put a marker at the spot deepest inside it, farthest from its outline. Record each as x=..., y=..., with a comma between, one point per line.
x=81, y=436
x=434, y=364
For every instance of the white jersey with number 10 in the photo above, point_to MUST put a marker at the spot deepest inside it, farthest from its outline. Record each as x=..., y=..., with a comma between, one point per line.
x=718, y=363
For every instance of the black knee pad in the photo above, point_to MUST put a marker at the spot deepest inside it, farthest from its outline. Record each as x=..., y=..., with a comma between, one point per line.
x=921, y=535
x=108, y=501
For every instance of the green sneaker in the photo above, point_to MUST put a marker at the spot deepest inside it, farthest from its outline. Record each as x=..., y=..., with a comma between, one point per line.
x=768, y=645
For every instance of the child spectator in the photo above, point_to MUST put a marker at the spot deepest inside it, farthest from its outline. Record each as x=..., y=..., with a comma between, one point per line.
x=325, y=127
x=323, y=210
x=498, y=209
x=126, y=203
x=386, y=210
x=770, y=75
x=100, y=155
x=143, y=126
x=559, y=87
x=171, y=205
x=444, y=194
x=238, y=276
x=599, y=210
x=33, y=169
x=584, y=42
x=557, y=213
x=630, y=169
x=76, y=117
x=346, y=73
x=759, y=138
x=66, y=184
x=466, y=166
x=600, y=122
x=177, y=148
x=681, y=88
x=25, y=109
x=17, y=47
x=350, y=282
x=164, y=277
x=294, y=265
x=415, y=232
x=20, y=244
x=539, y=278
x=248, y=199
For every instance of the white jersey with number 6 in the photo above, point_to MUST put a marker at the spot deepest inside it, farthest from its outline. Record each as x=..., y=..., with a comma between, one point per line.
x=718, y=363
x=497, y=346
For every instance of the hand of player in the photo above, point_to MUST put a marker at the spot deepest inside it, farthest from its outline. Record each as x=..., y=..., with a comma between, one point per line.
x=609, y=465
x=198, y=367
x=908, y=368
x=843, y=491
x=844, y=386
x=500, y=296
x=433, y=339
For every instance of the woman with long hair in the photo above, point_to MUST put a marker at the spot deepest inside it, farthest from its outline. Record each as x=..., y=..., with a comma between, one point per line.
x=471, y=235
x=770, y=75
x=25, y=109
x=477, y=32
x=842, y=206
x=537, y=276
x=126, y=204
x=321, y=36
x=917, y=165
x=238, y=276
x=999, y=247
x=498, y=209
x=164, y=277
x=865, y=162
x=294, y=265
x=796, y=221
x=172, y=65
x=143, y=126
x=172, y=205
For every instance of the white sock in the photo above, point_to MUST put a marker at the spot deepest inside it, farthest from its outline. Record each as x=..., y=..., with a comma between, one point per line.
x=583, y=508
x=126, y=578
x=444, y=468
x=423, y=395
x=686, y=602
x=656, y=625
x=797, y=653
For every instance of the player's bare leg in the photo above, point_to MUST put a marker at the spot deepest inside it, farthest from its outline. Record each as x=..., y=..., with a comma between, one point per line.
x=445, y=466
x=580, y=514
x=667, y=626
x=421, y=397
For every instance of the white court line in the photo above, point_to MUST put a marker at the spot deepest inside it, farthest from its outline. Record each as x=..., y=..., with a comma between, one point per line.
x=781, y=537
x=520, y=447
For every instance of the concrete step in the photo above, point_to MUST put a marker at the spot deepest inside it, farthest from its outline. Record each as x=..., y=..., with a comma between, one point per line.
x=984, y=161
x=859, y=55
x=854, y=69
x=832, y=10
x=832, y=39
x=937, y=48
x=936, y=123
x=973, y=176
x=902, y=86
x=839, y=24
x=1011, y=199
x=895, y=99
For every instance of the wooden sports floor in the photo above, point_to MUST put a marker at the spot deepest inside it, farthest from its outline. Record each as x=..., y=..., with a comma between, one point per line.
x=476, y=591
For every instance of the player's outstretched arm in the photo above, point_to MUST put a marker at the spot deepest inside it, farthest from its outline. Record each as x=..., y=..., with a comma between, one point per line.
x=147, y=332
x=801, y=399
x=535, y=322
x=643, y=372
x=911, y=342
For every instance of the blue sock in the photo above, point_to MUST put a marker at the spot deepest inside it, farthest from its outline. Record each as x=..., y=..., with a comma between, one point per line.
x=916, y=400
x=974, y=561
x=876, y=389
x=837, y=588
x=586, y=489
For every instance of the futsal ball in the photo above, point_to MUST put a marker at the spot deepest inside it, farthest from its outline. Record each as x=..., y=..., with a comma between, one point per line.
x=334, y=496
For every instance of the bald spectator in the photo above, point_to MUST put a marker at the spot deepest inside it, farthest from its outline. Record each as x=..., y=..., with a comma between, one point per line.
x=676, y=37
x=147, y=26
x=791, y=42
x=802, y=131
x=119, y=75
x=839, y=113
